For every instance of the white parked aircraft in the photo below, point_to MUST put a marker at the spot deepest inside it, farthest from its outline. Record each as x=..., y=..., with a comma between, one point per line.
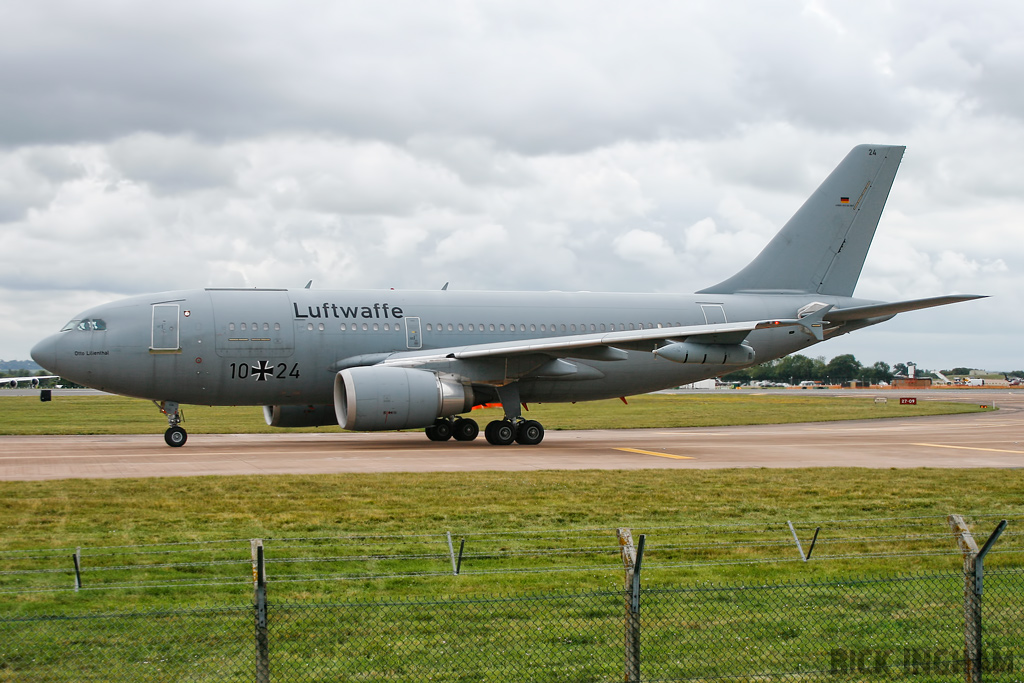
x=382, y=360
x=13, y=382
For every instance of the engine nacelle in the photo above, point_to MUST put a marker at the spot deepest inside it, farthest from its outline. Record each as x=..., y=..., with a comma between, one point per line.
x=300, y=416
x=707, y=354
x=13, y=384
x=35, y=383
x=375, y=398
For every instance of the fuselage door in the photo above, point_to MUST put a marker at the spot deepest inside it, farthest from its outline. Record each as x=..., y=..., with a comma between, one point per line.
x=253, y=323
x=412, y=333
x=714, y=314
x=165, y=328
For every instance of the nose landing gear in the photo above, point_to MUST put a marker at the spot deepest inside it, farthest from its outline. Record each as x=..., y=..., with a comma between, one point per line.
x=175, y=436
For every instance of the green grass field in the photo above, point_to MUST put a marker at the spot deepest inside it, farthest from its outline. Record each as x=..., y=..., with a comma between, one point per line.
x=118, y=415
x=174, y=543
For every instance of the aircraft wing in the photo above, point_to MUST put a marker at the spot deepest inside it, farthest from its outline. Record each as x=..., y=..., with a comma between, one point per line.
x=839, y=315
x=598, y=345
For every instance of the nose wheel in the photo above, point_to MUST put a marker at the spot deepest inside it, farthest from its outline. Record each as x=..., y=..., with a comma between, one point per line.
x=175, y=436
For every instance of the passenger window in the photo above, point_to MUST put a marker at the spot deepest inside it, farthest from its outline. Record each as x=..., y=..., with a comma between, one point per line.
x=429, y=328
x=309, y=326
x=387, y=327
x=343, y=327
x=533, y=328
x=461, y=329
x=266, y=327
x=277, y=326
x=376, y=327
x=501, y=327
x=491, y=327
x=365, y=327
x=320, y=327
x=231, y=327
x=243, y=327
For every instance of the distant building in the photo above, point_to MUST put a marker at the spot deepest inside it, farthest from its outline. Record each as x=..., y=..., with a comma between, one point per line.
x=912, y=383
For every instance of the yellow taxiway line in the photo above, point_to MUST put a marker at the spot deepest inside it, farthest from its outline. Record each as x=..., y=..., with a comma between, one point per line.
x=660, y=455
x=969, y=448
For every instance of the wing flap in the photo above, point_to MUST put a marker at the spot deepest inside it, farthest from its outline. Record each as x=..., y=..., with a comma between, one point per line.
x=591, y=345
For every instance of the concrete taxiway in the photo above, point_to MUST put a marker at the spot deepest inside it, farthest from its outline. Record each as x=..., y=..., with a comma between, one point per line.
x=992, y=439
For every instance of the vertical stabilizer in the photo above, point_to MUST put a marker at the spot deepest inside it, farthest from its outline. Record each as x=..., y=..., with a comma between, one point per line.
x=823, y=246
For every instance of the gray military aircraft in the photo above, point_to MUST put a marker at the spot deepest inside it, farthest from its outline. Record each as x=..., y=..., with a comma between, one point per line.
x=388, y=360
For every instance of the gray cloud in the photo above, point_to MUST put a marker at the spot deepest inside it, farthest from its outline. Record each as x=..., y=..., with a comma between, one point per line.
x=575, y=145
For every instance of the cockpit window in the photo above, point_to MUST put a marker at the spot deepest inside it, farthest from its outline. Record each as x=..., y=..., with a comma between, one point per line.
x=87, y=325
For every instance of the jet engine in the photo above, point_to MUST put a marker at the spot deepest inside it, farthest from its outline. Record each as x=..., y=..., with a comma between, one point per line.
x=300, y=416
x=707, y=354
x=379, y=397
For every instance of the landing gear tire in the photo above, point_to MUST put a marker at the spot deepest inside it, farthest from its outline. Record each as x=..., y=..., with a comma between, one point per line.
x=465, y=429
x=500, y=433
x=175, y=436
x=439, y=431
x=530, y=433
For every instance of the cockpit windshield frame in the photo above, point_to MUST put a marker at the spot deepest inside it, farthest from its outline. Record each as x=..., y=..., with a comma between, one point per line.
x=86, y=325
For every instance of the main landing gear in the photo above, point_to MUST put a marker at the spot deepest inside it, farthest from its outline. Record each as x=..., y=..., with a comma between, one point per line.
x=463, y=429
x=497, y=433
x=175, y=436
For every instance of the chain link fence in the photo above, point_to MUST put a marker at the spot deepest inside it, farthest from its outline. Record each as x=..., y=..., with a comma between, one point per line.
x=903, y=628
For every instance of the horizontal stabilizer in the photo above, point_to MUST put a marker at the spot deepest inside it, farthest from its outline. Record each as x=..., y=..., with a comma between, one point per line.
x=839, y=315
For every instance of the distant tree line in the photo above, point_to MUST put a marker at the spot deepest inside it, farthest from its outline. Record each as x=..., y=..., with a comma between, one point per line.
x=797, y=368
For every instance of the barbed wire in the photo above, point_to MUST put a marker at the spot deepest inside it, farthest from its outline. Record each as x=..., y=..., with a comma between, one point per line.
x=735, y=543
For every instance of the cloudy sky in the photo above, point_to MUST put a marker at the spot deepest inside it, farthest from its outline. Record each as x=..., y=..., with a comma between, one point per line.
x=646, y=146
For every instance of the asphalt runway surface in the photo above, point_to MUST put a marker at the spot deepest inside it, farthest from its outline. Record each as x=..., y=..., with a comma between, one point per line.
x=992, y=439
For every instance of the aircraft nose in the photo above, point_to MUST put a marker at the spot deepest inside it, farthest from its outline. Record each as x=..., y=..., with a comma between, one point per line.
x=45, y=353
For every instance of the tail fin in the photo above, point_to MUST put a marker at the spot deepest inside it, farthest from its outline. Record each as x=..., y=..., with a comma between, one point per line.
x=823, y=246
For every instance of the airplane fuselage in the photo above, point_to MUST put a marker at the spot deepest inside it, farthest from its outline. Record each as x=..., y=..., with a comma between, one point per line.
x=283, y=347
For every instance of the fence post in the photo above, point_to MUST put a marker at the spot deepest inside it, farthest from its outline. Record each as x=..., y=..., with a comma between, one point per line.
x=77, y=559
x=972, y=601
x=259, y=578
x=451, y=554
x=632, y=559
x=974, y=577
